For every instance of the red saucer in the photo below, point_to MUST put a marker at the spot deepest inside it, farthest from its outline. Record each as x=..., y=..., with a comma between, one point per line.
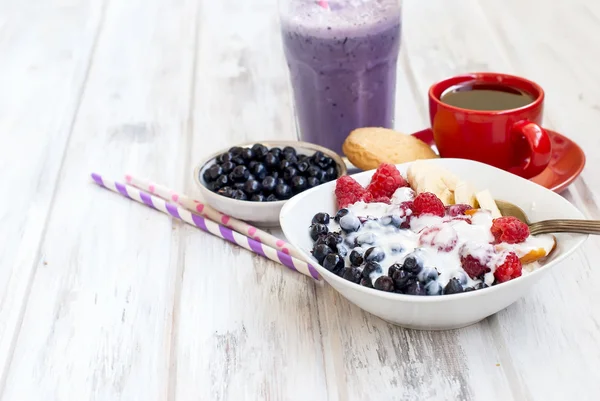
x=566, y=162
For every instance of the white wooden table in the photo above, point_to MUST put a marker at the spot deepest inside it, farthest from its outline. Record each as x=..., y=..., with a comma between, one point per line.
x=103, y=299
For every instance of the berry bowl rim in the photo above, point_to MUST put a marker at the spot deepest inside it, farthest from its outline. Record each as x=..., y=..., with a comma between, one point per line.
x=298, y=145
x=329, y=276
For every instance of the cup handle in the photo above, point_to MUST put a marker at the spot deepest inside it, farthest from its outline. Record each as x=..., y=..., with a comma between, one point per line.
x=533, y=149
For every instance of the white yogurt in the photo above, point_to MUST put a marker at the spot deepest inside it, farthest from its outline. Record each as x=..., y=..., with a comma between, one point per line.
x=437, y=242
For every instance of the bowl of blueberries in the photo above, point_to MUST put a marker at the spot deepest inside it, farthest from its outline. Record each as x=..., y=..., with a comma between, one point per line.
x=252, y=181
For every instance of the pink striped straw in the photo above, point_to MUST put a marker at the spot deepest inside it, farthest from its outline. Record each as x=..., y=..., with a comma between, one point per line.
x=214, y=215
x=207, y=225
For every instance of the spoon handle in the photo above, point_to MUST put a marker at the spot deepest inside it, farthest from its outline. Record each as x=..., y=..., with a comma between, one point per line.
x=565, y=226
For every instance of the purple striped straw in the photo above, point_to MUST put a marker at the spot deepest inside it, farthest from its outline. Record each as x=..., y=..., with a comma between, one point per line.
x=207, y=225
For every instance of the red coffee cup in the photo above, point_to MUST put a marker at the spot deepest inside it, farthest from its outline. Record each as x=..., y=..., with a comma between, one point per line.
x=512, y=140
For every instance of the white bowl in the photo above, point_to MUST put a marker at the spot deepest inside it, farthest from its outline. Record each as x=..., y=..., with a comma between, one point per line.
x=265, y=214
x=446, y=311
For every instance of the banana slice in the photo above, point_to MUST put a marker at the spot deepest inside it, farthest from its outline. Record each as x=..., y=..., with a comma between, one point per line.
x=464, y=193
x=486, y=201
x=427, y=177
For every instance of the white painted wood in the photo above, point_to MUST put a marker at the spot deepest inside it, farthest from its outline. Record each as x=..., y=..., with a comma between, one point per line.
x=98, y=323
x=119, y=302
x=41, y=82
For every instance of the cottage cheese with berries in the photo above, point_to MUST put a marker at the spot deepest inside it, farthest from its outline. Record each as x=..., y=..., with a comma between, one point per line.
x=396, y=240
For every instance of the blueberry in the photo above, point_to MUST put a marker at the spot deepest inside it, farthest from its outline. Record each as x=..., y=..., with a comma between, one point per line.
x=428, y=275
x=384, y=283
x=331, y=173
x=302, y=167
x=433, y=288
x=237, y=160
x=461, y=277
x=402, y=279
x=222, y=181
x=356, y=258
x=453, y=287
x=480, y=286
x=215, y=171
x=319, y=159
x=317, y=230
x=290, y=157
x=322, y=176
x=223, y=157
x=278, y=181
x=393, y=269
x=333, y=239
x=320, y=251
x=257, y=198
x=333, y=262
x=349, y=223
x=374, y=254
x=352, y=274
x=251, y=177
x=469, y=289
x=268, y=184
x=240, y=173
x=227, y=167
x=341, y=213
x=288, y=150
x=271, y=160
x=247, y=154
x=416, y=288
x=411, y=265
x=284, y=164
x=328, y=161
x=239, y=195
x=289, y=173
x=364, y=238
x=342, y=250
x=366, y=282
x=252, y=164
x=236, y=151
x=392, y=220
x=396, y=248
x=312, y=171
x=371, y=267
x=260, y=151
x=312, y=182
x=321, y=217
x=206, y=175
x=302, y=158
x=226, y=191
x=276, y=152
x=272, y=198
x=283, y=191
x=299, y=184
x=239, y=185
x=259, y=170
x=252, y=187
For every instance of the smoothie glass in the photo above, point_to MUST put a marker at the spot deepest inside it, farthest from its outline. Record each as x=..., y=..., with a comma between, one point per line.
x=342, y=57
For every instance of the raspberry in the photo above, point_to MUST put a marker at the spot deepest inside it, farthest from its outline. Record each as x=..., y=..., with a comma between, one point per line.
x=511, y=268
x=444, y=239
x=510, y=230
x=457, y=210
x=386, y=180
x=382, y=199
x=428, y=203
x=473, y=266
x=406, y=211
x=348, y=191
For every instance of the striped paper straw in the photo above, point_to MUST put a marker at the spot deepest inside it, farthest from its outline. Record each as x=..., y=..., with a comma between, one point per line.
x=214, y=215
x=207, y=225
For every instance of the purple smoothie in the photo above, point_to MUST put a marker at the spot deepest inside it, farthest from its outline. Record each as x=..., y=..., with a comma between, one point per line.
x=342, y=65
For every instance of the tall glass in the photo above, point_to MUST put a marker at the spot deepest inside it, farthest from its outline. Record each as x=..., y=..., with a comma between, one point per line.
x=342, y=57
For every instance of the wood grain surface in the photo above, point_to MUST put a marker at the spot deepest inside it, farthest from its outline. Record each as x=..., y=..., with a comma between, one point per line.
x=102, y=299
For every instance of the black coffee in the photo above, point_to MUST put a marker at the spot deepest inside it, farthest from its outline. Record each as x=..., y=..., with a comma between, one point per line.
x=480, y=96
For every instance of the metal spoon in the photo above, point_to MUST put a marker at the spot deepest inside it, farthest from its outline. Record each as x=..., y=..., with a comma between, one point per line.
x=549, y=226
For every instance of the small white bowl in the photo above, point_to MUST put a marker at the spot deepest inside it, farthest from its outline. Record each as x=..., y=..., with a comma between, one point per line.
x=446, y=311
x=265, y=214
